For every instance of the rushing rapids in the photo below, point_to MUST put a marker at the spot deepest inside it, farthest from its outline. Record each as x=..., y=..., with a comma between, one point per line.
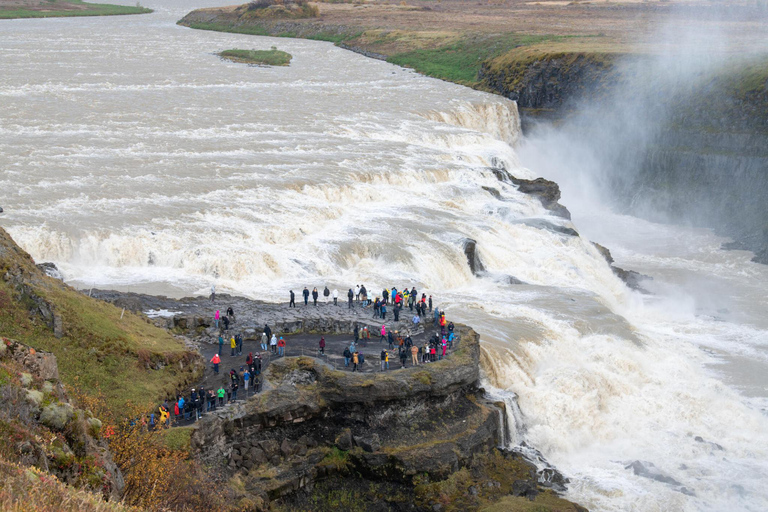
x=134, y=158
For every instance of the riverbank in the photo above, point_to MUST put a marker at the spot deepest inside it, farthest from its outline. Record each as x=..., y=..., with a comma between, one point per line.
x=13, y=9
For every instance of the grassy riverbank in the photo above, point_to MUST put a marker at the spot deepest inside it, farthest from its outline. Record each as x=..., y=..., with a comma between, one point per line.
x=273, y=57
x=60, y=8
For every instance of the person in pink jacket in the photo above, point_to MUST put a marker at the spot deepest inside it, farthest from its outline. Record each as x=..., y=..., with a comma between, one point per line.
x=216, y=318
x=383, y=333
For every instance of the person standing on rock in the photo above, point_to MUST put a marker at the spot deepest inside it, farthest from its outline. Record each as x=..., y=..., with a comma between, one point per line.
x=415, y=355
x=292, y=303
x=326, y=294
x=281, y=346
x=225, y=320
x=383, y=358
x=335, y=297
x=305, y=293
x=357, y=292
x=268, y=331
x=213, y=293
x=264, y=341
x=356, y=333
x=355, y=360
x=233, y=346
x=430, y=303
x=216, y=317
x=347, y=356
x=231, y=313
x=273, y=344
x=314, y=296
x=322, y=345
x=350, y=296
x=397, y=312
x=216, y=360
x=246, y=381
x=221, y=393
x=391, y=340
x=385, y=295
x=376, y=308
x=364, y=295
x=235, y=386
x=383, y=333
x=383, y=309
x=221, y=343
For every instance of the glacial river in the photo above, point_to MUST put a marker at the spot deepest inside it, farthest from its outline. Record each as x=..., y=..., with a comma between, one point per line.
x=135, y=158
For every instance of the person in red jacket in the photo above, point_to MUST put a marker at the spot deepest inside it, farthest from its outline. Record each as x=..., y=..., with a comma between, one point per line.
x=281, y=346
x=322, y=345
x=216, y=360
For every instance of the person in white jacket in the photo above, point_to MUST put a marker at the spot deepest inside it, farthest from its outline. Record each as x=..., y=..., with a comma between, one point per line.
x=335, y=297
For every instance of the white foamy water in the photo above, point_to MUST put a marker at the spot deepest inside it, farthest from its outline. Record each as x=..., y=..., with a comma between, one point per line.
x=134, y=158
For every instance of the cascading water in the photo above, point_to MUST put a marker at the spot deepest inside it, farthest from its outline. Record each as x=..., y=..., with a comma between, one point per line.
x=139, y=160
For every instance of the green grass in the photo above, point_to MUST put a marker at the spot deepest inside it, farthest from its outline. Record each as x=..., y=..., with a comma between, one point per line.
x=104, y=354
x=177, y=438
x=91, y=10
x=460, y=61
x=273, y=57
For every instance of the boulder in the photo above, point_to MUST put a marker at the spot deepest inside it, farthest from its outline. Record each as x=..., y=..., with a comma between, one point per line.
x=287, y=448
x=369, y=444
x=57, y=415
x=344, y=440
x=270, y=447
x=26, y=379
x=473, y=259
x=34, y=396
x=50, y=270
x=524, y=488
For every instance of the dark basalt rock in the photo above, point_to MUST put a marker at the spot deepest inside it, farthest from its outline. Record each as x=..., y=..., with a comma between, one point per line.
x=550, y=226
x=548, y=192
x=649, y=470
x=470, y=251
x=51, y=270
x=630, y=277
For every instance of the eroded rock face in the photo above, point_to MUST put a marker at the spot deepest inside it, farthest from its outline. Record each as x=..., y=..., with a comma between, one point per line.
x=473, y=259
x=548, y=192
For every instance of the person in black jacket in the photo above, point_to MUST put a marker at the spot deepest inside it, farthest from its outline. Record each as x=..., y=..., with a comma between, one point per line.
x=326, y=294
x=306, y=296
x=292, y=304
x=314, y=296
x=350, y=296
x=267, y=331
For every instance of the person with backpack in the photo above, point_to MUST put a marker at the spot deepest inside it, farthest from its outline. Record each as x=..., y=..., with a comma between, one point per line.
x=326, y=294
x=350, y=296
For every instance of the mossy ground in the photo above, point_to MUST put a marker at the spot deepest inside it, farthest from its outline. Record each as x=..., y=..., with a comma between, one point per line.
x=273, y=57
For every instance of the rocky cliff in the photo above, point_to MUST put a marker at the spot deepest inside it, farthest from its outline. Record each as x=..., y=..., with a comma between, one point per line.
x=317, y=438
x=699, y=155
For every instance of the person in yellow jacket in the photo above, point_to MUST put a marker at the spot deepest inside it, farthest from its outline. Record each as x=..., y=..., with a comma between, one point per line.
x=164, y=414
x=233, y=345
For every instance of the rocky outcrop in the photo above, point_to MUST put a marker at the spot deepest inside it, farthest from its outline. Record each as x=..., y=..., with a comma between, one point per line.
x=473, y=259
x=314, y=427
x=546, y=191
x=49, y=431
x=630, y=277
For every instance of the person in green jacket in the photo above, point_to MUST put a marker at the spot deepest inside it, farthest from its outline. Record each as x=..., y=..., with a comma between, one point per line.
x=221, y=393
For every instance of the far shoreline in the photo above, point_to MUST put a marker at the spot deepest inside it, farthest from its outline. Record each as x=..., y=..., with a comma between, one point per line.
x=26, y=9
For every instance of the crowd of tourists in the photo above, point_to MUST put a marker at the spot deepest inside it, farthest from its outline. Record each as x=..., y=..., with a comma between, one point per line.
x=399, y=348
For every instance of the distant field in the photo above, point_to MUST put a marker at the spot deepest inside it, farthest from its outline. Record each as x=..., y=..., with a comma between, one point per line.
x=10, y=9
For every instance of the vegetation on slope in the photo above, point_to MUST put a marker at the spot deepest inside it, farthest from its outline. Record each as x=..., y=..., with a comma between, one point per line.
x=65, y=8
x=273, y=57
x=117, y=356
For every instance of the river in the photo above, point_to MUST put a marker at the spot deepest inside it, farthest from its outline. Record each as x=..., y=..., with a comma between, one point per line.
x=135, y=158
